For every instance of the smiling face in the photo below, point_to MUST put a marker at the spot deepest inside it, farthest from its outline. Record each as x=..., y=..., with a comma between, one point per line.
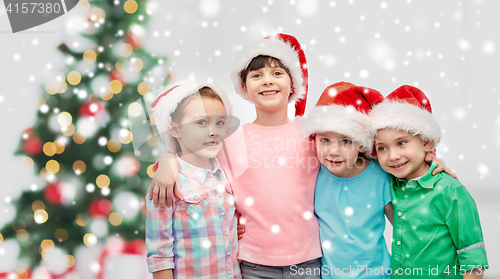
x=268, y=88
x=339, y=154
x=200, y=130
x=401, y=154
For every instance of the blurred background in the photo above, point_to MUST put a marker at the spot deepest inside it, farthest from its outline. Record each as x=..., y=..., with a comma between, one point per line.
x=74, y=81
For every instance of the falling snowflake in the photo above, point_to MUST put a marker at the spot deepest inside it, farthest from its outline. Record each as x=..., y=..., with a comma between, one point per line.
x=464, y=45
x=483, y=169
x=249, y=201
x=275, y=229
x=349, y=211
x=307, y=8
x=382, y=54
x=210, y=8
x=364, y=74
x=308, y=215
x=489, y=47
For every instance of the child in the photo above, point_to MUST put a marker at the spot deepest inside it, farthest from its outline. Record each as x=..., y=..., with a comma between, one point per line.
x=274, y=167
x=352, y=192
x=437, y=232
x=196, y=236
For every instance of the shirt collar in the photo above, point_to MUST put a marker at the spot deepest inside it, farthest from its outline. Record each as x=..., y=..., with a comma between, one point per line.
x=426, y=181
x=196, y=173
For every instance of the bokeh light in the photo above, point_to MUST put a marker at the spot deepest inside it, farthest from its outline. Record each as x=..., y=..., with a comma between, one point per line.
x=59, y=146
x=114, y=145
x=89, y=56
x=82, y=219
x=130, y=6
x=134, y=109
x=79, y=138
x=90, y=239
x=64, y=119
x=61, y=235
x=52, y=166
x=49, y=149
x=68, y=130
x=143, y=88
x=150, y=171
x=102, y=181
x=79, y=167
x=125, y=136
x=47, y=244
x=74, y=78
x=115, y=218
x=37, y=205
x=125, y=50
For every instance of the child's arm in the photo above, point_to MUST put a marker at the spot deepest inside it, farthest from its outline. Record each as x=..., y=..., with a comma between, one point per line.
x=163, y=274
x=389, y=211
x=474, y=274
x=462, y=220
x=440, y=165
x=163, y=184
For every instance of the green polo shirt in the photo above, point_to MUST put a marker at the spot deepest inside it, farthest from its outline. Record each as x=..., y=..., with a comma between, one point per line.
x=436, y=226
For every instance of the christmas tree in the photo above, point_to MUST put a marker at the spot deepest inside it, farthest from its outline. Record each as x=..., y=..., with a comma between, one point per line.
x=81, y=143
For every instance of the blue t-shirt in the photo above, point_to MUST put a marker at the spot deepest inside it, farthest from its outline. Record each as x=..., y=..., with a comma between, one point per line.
x=351, y=223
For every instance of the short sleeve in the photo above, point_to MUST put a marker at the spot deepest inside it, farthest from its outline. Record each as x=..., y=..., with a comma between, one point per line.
x=387, y=188
x=464, y=225
x=159, y=237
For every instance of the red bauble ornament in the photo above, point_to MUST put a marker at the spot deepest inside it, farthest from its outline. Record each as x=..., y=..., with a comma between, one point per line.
x=53, y=193
x=28, y=133
x=91, y=109
x=127, y=166
x=135, y=37
x=32, y=146
x=136, y=246
x=118, y=76
x=100, y=207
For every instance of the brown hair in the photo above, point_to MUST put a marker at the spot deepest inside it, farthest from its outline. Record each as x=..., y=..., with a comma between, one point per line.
x=260, y=62
x=176, y=115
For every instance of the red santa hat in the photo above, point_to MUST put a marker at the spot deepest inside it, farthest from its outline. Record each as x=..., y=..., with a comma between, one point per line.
x=407, y=109
x=169, y=98
x=343, y=108
x=287, y=49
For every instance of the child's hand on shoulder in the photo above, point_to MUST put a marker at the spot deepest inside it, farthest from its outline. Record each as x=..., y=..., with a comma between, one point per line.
x=440, y=165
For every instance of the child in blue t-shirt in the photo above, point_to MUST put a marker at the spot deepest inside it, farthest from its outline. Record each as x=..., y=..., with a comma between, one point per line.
x=352, y=193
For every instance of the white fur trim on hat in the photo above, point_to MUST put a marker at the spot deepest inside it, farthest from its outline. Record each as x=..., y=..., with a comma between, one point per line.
x=168, y=103
x=275, y=48
x=341, y=120
x=407, y=118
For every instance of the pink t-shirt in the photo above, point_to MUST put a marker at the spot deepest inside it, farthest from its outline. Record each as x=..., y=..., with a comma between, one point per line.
x=273, y=173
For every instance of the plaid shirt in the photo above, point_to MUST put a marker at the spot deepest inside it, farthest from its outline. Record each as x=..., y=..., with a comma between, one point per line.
x=196, y=236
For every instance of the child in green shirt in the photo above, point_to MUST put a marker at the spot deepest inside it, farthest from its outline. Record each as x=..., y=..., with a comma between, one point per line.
x=436, y=229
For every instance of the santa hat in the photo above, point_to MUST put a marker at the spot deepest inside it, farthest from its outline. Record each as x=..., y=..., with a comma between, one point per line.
x=343, y=108
x=287, y=49
x=406, y=109
x=170, y=97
